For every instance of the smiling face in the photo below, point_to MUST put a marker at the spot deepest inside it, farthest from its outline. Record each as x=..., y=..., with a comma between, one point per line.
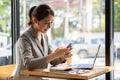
x=44, y=24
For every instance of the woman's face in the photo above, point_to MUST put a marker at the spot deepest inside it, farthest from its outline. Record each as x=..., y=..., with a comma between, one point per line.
x=44, y=24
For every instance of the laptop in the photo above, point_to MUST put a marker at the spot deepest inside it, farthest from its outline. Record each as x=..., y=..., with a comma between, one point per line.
x=87, y=66
x=76, y=66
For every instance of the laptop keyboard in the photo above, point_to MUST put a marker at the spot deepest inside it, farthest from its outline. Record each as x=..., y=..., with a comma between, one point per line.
x=83, y=66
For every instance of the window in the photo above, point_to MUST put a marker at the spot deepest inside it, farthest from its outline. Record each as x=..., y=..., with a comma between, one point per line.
x=117, y=39
x=5, y=32
x=81, y=22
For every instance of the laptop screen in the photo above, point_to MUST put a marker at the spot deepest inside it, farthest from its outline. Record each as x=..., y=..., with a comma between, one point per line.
x=96, y=54
x=87, y=66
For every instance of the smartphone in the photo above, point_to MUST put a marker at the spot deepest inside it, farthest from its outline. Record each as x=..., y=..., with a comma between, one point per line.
x=69, y=45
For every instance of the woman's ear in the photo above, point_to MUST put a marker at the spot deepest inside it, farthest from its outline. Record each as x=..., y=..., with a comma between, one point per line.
x=34, y=19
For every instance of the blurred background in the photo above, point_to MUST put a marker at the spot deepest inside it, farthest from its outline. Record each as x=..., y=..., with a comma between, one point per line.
x=80, y=22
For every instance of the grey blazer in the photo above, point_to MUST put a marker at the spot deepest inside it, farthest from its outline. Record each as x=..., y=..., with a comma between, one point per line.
x=31, y=53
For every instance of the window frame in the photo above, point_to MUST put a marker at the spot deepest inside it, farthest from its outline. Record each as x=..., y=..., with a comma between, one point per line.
x=109, y=32
x=15, y=26
x=109, y=36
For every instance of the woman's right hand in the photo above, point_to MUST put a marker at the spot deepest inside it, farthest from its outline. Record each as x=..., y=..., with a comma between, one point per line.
x=58, y=53
x=61, y=51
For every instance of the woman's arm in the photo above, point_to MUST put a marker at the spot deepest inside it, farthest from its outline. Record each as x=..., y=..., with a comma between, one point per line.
x=28, y=60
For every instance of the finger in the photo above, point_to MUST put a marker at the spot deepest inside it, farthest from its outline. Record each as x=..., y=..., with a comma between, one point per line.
x=70, y=48
x=65, y=56
x=69, y=52
x=68, y=55
x=71, y=55
x=66, y=50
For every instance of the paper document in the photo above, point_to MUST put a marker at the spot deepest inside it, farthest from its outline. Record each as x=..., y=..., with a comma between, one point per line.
x=61, y=67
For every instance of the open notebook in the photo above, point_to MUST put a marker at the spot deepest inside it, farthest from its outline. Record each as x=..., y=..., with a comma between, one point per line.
x=77, y=66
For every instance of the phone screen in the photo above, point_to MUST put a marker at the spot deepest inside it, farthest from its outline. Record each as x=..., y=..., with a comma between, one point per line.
x=69, y=45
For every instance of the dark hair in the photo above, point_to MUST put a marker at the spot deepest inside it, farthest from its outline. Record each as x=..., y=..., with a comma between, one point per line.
x=40, y=12
x=30, y=15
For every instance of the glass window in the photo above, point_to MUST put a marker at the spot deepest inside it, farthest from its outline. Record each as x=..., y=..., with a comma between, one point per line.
x=5, y=32
x=81, y=22
x=117, y=38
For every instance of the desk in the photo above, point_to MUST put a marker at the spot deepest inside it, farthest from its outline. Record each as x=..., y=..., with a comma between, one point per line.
x=97, y=71
x=6, y=70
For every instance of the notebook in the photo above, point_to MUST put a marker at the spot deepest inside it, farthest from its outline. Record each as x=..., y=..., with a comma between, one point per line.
x=87, y=66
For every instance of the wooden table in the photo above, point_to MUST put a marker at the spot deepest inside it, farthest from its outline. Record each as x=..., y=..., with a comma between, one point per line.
x=97, y=71
x=38, y=74
x=6, y=71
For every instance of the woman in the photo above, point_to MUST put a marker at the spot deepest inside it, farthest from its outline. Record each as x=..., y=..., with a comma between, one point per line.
x=34, y=50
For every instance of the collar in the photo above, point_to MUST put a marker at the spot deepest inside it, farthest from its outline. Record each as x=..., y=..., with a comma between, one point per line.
x=32, y=32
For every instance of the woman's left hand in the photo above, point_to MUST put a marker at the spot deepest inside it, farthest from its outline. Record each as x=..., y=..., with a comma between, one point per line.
x=66, y=55
x=63, y=58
